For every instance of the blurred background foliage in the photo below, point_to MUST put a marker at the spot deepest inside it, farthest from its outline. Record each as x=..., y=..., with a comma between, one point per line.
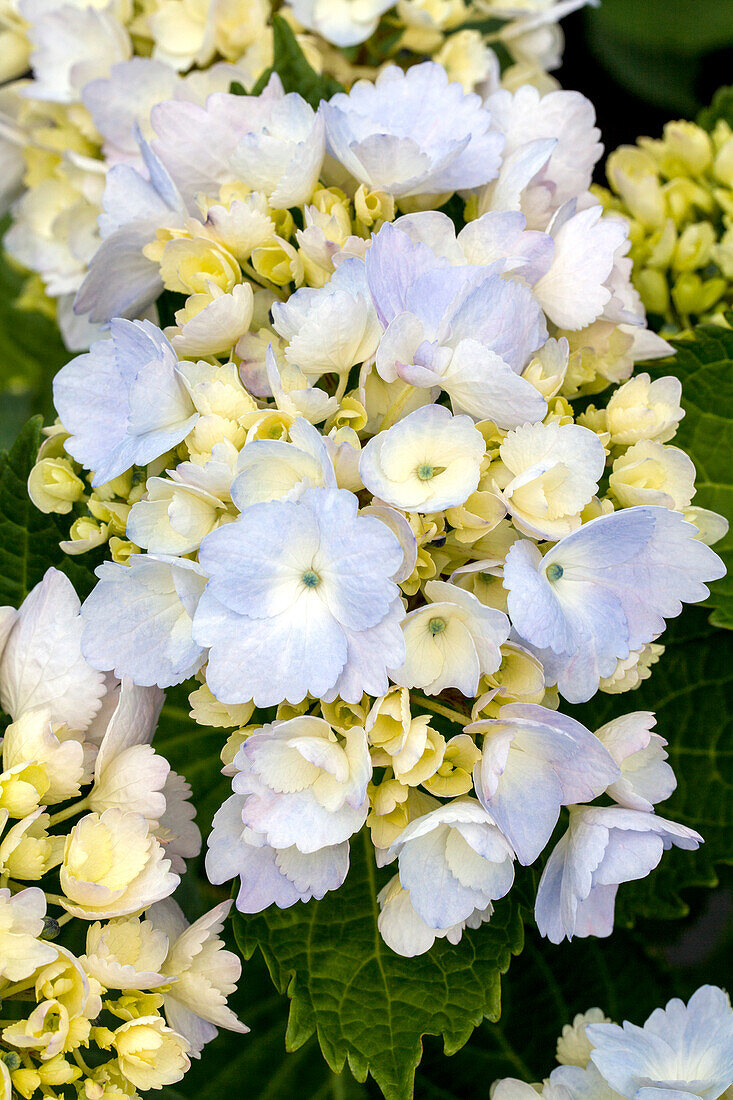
x=642, y=62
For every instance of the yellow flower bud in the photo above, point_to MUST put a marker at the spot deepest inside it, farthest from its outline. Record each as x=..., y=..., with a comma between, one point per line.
x=118, y=487
x=283, y=223
x=53, y=485
x=208, y=711
x=22, y=788
x=27, y=851
x=85, y=534
x=26, y=1082
x=453, y=777
x=189, y=265
x=350, y=414
x=111, y=513
x=278, y=262
x=373, y=207
x=57, y=1071
x=344, y=715
x=121, y=550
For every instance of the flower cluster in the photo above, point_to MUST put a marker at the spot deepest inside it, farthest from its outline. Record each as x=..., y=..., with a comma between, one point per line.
x=96, y=70
x=350, y=493
x=683, y=1050
x=677, y=194
x=94, y=828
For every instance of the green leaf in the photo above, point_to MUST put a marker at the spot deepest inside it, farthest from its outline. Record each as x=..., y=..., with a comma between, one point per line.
x=29, y=540
x=294, y=70
x=668, y=24
x=31, y=352
x=660, y=50
x=720, y=109
x=690, y=690
x=368, y=1006
x=705, y=368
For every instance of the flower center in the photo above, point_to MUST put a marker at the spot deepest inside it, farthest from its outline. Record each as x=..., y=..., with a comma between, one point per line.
x=554, y=572
x=425, y=471
x=310, y=579
x=436, y=626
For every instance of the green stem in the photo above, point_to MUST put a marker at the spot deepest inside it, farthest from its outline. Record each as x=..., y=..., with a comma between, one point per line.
x=70, y=811
x=439, y=708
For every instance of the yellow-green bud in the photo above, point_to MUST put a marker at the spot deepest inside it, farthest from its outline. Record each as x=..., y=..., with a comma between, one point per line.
x=659, y=247
x=652, y=287
x=691, y=294
x=723, y=167
x=53, y=485
x=694, y=247
x=283, y=222
x=633, y=175
x=683, y=196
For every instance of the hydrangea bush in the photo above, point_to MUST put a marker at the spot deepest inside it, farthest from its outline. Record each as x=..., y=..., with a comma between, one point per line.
x=359, y=454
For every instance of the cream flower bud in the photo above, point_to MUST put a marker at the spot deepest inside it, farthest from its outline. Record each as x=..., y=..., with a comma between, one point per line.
x=650, y=473
x=86, y=534
x=27, y=851
x=211, y=323
x=126, y=953
x=21, y=923
x=554, y=471
x=632, y=670
x=573, y=1046
x=53, y=485
x=113, y=865
x=33, y=737
x=642, y=409
x=65, y=981
x=216, y=389
x=206, y=710
x=711, y=526
x=150, y=1054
